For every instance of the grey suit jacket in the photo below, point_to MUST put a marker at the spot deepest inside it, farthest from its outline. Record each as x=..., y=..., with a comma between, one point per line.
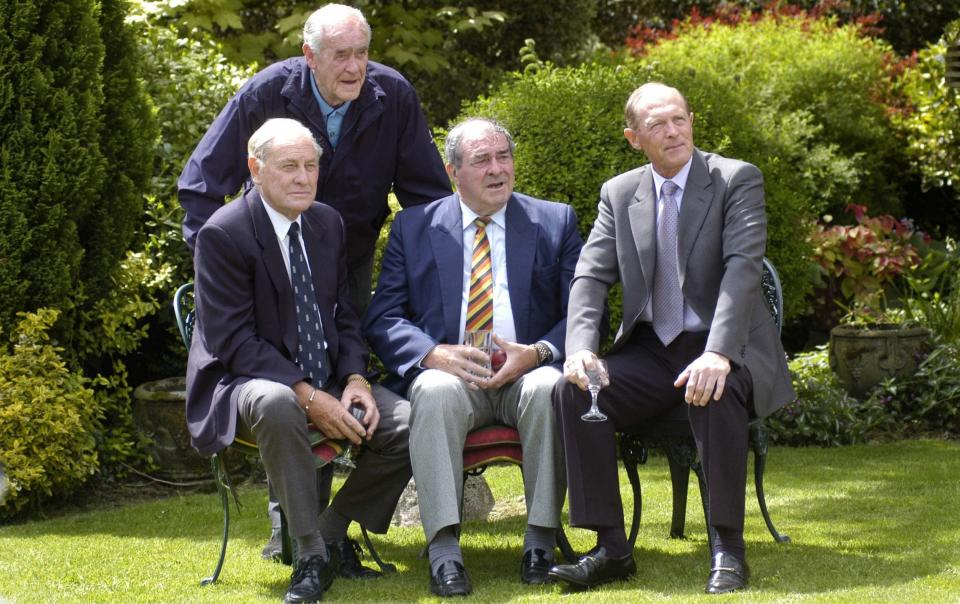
x=721, y=242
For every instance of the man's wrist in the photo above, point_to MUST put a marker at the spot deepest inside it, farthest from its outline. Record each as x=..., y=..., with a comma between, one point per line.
x=544, y=354
x=356, y=377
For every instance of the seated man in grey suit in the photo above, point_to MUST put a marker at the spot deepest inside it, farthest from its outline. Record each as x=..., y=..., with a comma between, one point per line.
x=484, y=258
x=685, y=235
x=277, y=345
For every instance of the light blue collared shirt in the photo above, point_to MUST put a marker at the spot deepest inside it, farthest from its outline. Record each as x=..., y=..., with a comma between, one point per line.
x=333, y=116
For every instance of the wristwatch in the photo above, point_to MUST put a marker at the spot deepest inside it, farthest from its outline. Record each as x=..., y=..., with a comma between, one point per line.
x=544, y=354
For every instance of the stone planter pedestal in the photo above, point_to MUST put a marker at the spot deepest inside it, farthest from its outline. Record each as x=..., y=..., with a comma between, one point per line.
x=159, y=412
x=862, y=357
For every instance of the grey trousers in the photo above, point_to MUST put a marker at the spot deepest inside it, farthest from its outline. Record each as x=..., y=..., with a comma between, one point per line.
x=444, y=411
x=359, y=280
x=269, y=412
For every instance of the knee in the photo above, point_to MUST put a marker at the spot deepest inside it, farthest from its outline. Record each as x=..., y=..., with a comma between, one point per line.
x=437, y=394
x=275, y=405
x=537, y=391
x=563, y=393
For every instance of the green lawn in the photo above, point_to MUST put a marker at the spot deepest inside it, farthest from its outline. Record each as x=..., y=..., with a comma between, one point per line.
x=874, y=523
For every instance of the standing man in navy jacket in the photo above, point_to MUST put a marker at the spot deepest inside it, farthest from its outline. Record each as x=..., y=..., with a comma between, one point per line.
x=365, y=115
x=368, y=120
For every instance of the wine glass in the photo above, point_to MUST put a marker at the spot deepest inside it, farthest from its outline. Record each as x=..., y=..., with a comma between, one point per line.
x=481, y=339
x=596, y=376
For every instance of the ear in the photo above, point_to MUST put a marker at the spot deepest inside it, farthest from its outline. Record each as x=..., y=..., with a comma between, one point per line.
x=308, y=55
x=452, y=173
x=633, y=137
x=254, y=166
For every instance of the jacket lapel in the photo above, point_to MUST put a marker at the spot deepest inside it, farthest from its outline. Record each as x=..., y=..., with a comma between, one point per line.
x=693, y=210
x=446, y=239
x=521, y=247
x=314, y=234
x=643, y=224
x=276, y=268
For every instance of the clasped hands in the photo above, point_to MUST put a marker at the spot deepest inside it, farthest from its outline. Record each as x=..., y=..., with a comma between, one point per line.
x=472, y=364
x=703, y=379
x=332, y=417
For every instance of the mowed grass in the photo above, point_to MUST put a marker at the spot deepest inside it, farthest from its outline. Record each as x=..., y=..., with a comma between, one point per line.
x=876, y=523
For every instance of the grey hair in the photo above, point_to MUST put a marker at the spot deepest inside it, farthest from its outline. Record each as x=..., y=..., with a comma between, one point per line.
x=328, y=20
x=631, y=112
x=451, y=148
x=261, y=142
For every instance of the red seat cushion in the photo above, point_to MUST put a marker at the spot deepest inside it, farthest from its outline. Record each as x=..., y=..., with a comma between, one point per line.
x=492, y=444
x=323, y=448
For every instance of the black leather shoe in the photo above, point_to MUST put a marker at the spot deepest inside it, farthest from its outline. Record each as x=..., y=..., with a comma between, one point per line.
x=727, y=574
x=344, y=558
x=273, y=550
x=451, y=580
x=534, y=567
x=311, y=577
x=595, y=568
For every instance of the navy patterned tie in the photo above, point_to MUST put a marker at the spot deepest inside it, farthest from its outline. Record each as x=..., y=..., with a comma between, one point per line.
x=312, y=349
x=667, y=297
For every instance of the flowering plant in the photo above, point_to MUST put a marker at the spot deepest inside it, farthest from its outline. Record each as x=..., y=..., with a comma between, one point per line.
x=860, y=264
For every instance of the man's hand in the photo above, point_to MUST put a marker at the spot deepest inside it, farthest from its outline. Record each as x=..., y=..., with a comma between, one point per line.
x=520, y=359
x=576, y=365
x=357, y=393
x=704, y=377
x=466, y=362
x=328, y=414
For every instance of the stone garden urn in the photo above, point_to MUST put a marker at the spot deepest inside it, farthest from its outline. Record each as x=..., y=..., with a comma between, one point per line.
x=864, y=356
x=159, y=412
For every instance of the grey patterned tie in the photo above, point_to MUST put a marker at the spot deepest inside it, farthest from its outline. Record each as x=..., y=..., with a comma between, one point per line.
x=312, y=351
x=667, y=297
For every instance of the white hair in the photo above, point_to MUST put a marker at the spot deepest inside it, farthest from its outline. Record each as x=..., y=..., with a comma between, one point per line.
x=260, y=143
x=329, y=20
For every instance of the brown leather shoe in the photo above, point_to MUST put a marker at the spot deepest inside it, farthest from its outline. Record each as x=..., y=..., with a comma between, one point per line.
x=727, y=573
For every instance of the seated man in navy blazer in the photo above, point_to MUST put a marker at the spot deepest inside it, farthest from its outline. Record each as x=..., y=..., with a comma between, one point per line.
x=484, y=258
x=276, y=345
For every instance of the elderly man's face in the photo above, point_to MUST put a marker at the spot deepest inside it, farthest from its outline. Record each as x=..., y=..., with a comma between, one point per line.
x=485, y=176
x=664, y=131
x=340, y=67
x=288, y=176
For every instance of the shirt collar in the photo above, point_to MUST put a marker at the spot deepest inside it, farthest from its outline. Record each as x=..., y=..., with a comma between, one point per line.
x=498, y=218
x=326, y=107
x=679, y=179
x=281, y=224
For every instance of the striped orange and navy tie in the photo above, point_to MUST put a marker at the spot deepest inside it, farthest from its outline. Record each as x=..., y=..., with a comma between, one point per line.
x=480, y=303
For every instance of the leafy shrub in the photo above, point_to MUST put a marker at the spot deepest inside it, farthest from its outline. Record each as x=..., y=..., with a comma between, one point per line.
x=48, y=415
x=931, y=126
x=831, y=78
x=824, y=414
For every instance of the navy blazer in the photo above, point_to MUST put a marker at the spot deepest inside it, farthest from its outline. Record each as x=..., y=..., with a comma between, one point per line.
x=384, y=143
x=246, y=324
x=418, y=299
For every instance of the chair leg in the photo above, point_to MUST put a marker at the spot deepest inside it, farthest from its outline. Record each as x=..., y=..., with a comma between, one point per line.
x=218, y=466
x=758, y=441
x=287, y=545
x=680, y=479
x=569, y=554
x=385, y=567
x=697, y=468
x=630, y=465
